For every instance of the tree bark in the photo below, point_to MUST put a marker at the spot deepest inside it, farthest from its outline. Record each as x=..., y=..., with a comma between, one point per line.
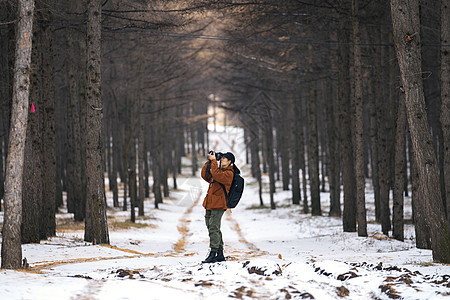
x=32, y=174
x=301, y=156
x=313, y=154
x=359, y=125
x=141, y=158
x=11, y=240
x=445, y=98
x=75, y=197
x=332, y=149
x=295, y=115
x=48, y=220
x=131, y=180
x=348, y=168
x=405, y=20
x=421, y=228
x=400, y=144
x=96, y=228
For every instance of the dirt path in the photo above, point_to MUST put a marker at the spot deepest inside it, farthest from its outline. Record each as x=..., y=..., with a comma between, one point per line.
x=183, y=227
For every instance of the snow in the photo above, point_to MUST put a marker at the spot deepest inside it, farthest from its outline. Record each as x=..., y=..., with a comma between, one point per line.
x=271, y=254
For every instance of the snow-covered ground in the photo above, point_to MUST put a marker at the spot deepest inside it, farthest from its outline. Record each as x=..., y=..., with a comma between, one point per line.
x=271, y=254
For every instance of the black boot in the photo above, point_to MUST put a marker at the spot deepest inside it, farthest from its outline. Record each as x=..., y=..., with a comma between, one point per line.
x=211, y=257
x=219, y=256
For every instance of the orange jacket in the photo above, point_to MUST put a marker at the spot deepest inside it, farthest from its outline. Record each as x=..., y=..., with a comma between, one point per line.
x=215, y=197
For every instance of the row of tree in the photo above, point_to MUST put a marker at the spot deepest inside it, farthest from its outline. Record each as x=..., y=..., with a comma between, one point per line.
x=316, y=86
x=331, y=96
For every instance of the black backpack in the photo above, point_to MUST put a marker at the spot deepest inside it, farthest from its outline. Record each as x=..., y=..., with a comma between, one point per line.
x=236, y=189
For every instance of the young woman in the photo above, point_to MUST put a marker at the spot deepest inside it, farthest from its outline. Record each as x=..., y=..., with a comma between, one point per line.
x=215, y=201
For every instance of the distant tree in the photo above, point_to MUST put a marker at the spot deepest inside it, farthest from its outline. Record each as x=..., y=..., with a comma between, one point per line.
x=96, y=228
x=11, y=237
x=405, y=20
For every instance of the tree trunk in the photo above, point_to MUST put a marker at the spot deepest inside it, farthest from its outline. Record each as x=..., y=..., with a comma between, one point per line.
x=48, y=220
x=96, y=228
x=384, y=171
x=313, y=154
x=405, y=20
x=284, y=146
x=301, y=156
x=295, y=123
x=445, y=98
x=359, y=125
x=141, y=158
x=156, y=180
x=11, y=240
x=400, y=144
x=332, y=150
x=75, y=195
x=32, y=174
x=421, y=228
x=348, y=168
x=115, y=156
x=131, y=180
x=373, y=133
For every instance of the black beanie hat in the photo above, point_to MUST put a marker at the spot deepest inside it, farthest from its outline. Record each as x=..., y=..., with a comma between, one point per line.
x=230, y=156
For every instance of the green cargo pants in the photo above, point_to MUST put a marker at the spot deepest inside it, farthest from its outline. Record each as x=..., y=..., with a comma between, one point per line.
x=213, y=218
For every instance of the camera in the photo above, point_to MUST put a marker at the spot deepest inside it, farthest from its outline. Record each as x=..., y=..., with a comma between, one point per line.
x=218, y=155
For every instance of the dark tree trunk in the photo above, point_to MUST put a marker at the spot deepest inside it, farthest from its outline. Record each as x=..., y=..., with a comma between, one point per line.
x=400, y=155
x=422, y=230
x=48, y=220
x=313, y=154
x=383, y=166
x=373, y=132
x=156, y=181
x=284, y=148
x=131, y=180
x=445, y=100
x=348, y=168
x=75, y=197
x=11, y=240
x=115, y=157
x=141, y=158
x=32, y=174
x=405, y=19
x=301, y=156
x=96, y=228
x=268, y=134
x=332, y=149
x=359, y=124
x=295, y=160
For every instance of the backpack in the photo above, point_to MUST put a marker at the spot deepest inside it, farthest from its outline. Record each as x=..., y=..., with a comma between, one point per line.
x=236, y=189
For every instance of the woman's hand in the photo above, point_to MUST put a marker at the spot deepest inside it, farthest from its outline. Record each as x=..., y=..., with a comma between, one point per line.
x=212, y=156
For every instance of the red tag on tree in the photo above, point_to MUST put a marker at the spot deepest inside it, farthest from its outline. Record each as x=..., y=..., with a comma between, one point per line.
x=32, y=108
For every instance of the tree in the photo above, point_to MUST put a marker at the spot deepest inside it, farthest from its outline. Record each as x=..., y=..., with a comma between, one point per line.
x=400, y=144
x=11, y=238
x=96, y=227
x=445, y=98
x=347, y=156
x=406, y=26
x=313, y=153
x=359, y=125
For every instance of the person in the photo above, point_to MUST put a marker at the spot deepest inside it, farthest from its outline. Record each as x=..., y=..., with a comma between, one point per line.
x=215, y=202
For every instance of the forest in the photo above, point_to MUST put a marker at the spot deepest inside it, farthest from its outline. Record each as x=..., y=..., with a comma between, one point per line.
x=336, y=96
